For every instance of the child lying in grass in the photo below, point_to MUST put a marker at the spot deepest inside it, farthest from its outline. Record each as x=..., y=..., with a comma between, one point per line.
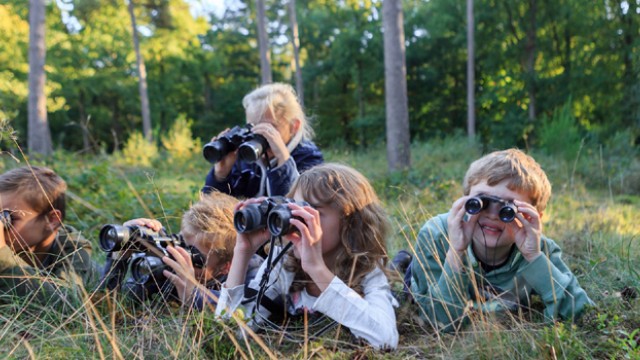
x=40, y=257
x=337, y=266
x=489, y=247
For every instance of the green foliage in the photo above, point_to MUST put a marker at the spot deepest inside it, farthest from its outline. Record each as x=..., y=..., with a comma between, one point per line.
x=138, y=151
x=560, y=134
x=179, y=141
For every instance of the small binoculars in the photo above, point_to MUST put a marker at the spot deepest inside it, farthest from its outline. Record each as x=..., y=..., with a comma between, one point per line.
x=273, y=213
x=506, y=213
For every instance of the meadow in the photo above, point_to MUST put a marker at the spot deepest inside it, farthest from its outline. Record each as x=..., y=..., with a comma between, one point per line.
x=593, y=216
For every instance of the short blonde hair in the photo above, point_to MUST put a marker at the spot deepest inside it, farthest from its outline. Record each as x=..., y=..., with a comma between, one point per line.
x=40, y=187
x=210, y=222
x=521, y=170
x=283, y=102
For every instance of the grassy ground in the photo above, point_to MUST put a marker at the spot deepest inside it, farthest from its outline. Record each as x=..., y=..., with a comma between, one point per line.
x=593, y=216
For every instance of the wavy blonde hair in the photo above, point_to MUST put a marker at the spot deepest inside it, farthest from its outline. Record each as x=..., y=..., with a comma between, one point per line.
x=210, y=223
x=363, y=228
x=283, y=102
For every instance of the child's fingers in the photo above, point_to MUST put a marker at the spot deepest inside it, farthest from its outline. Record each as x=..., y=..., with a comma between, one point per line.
x=175, y=279
x=173, y=264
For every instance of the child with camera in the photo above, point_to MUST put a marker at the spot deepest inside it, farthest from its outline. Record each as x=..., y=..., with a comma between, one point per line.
x=41, y=259
x=279, y=146
x=194, y=262
x=336, y=267
x=489, y=248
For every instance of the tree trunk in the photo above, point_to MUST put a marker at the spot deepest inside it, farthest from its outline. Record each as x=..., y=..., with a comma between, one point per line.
x=295, y=40
x=39, y=135
x=531, y=60
x=471, y=93
x=395, y=86
x=142, y=77
x=263, y=43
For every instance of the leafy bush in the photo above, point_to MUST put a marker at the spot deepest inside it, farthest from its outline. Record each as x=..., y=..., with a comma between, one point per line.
x=138, y=151
x=179, y=141
x=560, y=134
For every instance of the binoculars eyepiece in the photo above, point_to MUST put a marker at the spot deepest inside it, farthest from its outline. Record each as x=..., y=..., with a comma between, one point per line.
x=273, y=213
x=506, y=213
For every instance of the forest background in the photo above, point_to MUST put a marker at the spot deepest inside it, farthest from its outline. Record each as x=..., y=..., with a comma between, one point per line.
x=560, y=79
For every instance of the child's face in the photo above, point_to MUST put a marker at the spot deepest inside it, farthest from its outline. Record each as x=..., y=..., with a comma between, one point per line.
x=28, y=228
x=490, y=232
x=213, y=265
x=329, y=223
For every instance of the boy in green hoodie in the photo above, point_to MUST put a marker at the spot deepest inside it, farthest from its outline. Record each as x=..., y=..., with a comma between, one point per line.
x=488, y=251
x=41, y=259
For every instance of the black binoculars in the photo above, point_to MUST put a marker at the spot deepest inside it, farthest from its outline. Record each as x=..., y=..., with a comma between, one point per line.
x=250, y=146
x=148, y=247
x=5, y=217
x=507, y=212
x=272, y=213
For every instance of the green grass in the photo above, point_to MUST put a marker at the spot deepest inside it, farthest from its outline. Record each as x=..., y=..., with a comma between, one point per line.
x=592, y=215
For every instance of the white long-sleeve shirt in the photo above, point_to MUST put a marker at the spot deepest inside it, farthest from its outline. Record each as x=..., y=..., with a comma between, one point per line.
x=370, y=317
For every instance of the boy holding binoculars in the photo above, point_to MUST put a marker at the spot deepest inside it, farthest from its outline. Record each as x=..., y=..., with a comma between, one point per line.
x=489, y=248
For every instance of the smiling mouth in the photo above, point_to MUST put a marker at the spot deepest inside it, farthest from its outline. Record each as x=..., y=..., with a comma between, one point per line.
x=490, y=228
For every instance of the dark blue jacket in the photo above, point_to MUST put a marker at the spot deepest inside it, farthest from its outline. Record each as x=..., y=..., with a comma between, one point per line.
x=244, y=179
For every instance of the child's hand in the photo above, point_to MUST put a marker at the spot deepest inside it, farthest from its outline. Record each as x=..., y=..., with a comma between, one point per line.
x=249, y=242
x=154, y=225
x=309, y=244
x=460, y=226
x=183, y=277
x=276, y=144
x=527, y=236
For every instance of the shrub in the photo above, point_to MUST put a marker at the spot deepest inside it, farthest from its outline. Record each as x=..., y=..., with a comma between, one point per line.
x=138, y=151
x=179, y=142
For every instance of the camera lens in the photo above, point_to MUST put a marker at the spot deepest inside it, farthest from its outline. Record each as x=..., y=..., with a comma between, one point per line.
x=112, y=237
x=249, y=218
x=147, y=268
x=507, y=213
x=473, y=205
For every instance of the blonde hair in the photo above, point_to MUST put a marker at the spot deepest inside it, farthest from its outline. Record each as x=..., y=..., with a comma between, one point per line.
x=521, y=170
x=210, y=222
x=363, y=227
x=40, y=187
x=282, y=101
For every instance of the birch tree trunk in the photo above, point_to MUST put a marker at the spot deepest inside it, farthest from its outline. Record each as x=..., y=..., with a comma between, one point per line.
x=295, y=40
x=142, y=77
x=395, y=85
x=263, y=43
x=39, y=135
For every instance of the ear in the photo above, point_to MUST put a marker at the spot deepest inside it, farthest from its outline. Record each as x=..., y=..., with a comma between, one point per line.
x=295, y=126
x=54, y=218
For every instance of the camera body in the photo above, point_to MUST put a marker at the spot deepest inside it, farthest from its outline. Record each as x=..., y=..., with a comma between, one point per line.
x=250, y=146
x=272, y=213
x=143, y=249
x=506, y=213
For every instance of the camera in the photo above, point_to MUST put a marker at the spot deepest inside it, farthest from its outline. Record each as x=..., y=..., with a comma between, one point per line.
x=507, y=212
x=144, y=249
x=5, y=217
x=272, y=213
x=250, y=146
